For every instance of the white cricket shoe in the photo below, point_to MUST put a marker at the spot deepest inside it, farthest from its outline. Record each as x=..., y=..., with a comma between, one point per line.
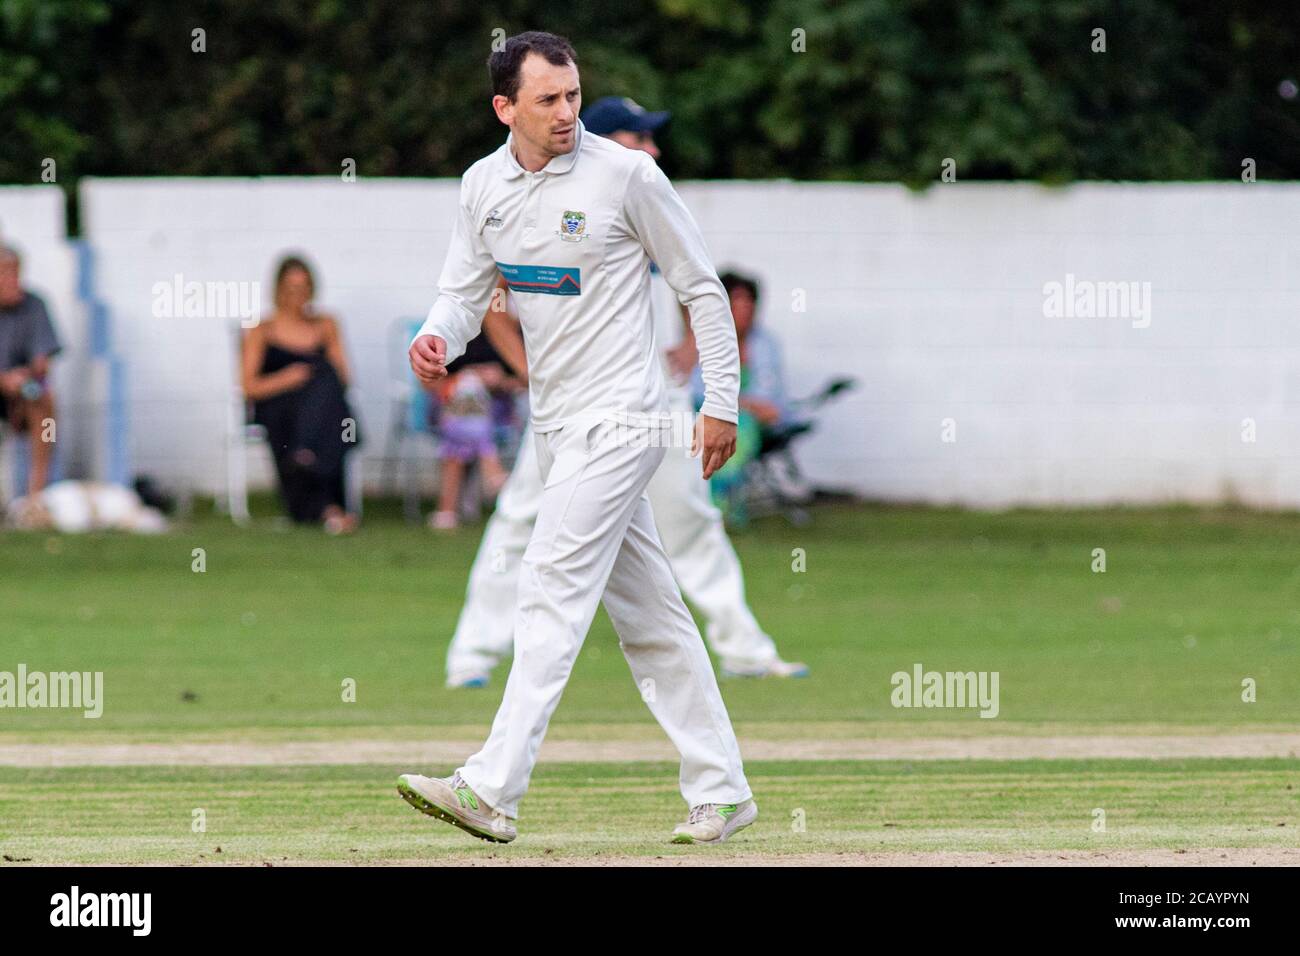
x=773, y=668
x=715, y=822
x=451, y=800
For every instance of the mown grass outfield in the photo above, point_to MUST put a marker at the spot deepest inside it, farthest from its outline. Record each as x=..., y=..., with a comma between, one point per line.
x=1119, y=691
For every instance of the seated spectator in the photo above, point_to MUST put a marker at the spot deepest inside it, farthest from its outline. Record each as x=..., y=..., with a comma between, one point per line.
x=295, y=373
x=762, y=382
x=27, y=343
x=763, y=404
x=762, y=378
x=468, y=413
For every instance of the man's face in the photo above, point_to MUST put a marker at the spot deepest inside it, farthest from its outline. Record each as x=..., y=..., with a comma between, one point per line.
x=10, y=287
x=643, y=141
x=545, y=111
x=742, y=310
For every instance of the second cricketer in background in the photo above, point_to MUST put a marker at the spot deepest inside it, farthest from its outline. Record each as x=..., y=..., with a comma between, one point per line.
x=703, y=561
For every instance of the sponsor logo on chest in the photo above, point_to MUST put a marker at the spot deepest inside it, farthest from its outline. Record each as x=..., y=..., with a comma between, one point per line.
x=544, y=280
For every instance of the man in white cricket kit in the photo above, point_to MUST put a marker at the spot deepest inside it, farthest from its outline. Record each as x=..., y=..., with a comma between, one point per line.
x=572, y=222
x=690, y=527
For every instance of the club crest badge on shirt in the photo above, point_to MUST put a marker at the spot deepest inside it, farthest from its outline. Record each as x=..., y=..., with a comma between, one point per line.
x=573, y=226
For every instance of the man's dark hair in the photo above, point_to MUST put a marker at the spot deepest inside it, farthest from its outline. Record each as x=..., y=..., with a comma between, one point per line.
x=734, y=280
x=504, y=64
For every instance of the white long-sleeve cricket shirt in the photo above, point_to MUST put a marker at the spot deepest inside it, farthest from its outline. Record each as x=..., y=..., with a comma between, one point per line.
x=574, y=242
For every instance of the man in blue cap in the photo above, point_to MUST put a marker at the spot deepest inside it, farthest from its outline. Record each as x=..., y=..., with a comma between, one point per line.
x=626, y=122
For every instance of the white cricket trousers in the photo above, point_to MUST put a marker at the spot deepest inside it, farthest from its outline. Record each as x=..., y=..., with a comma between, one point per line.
x=693, y=535
x=595, y=539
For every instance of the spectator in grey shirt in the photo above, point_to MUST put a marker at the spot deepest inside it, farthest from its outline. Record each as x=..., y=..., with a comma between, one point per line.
x=27, y=343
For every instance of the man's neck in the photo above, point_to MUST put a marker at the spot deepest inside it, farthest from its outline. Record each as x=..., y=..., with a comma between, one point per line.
x=526, y=158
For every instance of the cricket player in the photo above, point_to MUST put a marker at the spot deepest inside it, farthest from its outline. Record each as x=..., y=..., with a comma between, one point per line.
x=572, y=222
x=703, y=561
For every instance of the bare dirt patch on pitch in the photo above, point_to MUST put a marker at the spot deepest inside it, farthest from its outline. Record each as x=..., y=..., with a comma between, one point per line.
x=408, y=753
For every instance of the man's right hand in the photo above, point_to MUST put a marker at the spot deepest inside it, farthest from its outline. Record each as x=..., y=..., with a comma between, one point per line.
x=428, y=355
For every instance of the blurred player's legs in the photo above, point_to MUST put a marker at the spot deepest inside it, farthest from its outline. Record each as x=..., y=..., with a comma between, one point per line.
x=702, y=560
x=706, y=566
x=595, y=537
x=485, y=630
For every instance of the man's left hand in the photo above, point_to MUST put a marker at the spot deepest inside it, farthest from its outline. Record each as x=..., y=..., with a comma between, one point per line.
x=715, y=441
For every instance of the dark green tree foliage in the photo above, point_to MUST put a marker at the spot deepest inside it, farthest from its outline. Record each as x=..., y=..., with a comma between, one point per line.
x=883, y=90
x=45, y=49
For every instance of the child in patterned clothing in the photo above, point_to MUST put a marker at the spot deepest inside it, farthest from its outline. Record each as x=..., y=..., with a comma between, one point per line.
x=466, y=435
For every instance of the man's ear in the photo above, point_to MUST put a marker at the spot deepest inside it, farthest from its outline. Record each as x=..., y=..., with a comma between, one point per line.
x=504, y=108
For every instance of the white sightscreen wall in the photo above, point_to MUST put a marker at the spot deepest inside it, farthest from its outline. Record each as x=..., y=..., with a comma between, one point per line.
x=33, y=219
x=934, y=301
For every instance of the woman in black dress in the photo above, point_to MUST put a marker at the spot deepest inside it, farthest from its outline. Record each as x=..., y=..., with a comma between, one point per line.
x=295, y=373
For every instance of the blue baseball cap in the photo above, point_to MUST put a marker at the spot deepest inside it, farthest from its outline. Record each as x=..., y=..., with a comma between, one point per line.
x=609, y=114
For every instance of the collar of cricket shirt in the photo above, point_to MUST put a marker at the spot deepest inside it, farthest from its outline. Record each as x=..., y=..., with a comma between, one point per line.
x=558, y=164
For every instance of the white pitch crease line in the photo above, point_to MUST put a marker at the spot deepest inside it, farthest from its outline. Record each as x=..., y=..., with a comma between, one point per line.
x=422, y=753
